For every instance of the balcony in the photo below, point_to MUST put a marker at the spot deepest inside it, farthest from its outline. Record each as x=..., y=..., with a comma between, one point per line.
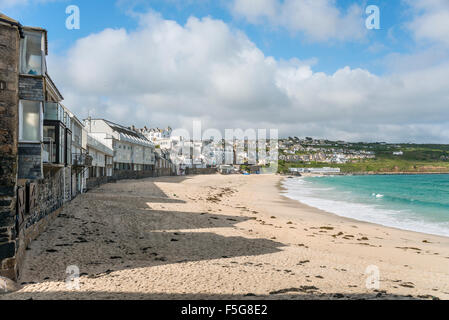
x=53, y=111
x=81, y=160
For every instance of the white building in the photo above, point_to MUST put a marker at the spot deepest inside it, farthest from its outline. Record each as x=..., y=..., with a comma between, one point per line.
x=132, y=151
x=102, y=158
x=325, y=170
x=155, y=134
x=80, y=157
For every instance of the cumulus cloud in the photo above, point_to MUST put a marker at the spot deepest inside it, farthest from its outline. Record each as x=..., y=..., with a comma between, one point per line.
x=431, y=20
x=318, y=20
x=164, y=73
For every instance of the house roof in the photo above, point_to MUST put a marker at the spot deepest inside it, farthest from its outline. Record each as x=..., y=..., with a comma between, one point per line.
x=94, y=143
x=127, y=134
x=5, y=17
x=17, y=23
x=53, y=87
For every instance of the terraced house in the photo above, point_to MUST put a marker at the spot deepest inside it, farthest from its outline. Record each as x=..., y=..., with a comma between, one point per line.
x=36, y=161
x=134, y=155
x=102, y=157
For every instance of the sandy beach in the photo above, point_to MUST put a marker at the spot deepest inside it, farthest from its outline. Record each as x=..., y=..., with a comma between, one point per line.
x=224, y=237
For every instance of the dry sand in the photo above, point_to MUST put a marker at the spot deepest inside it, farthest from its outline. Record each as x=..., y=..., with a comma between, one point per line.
x=223, y=237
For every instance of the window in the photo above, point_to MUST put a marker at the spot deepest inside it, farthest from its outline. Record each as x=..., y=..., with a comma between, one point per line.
x=50, y=144
x=68, y=155
x=31, y=54
x=53, y=111
x=91, y=172
x=61, y=145
x=30, y=121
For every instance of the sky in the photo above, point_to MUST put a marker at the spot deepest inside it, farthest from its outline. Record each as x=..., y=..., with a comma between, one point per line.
x=304, y=67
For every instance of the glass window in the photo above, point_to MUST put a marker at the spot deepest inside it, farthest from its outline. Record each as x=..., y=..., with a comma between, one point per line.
x=50, y=144
x=69, y=148
x=53, y=111
x=61, y=145
x=31, y=54
x=30, y=124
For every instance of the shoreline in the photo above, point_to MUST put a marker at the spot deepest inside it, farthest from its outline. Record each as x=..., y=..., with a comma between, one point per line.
x=283, y=189
x=224, y=237
x=366, y=174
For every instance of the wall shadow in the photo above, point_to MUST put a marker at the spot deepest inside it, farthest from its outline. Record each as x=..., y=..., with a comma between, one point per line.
x=98, y=295
x=114, y=228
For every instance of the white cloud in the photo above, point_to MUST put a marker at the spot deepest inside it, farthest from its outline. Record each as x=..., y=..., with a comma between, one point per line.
x=431, y=20
x=318, y=20
x=165, y=73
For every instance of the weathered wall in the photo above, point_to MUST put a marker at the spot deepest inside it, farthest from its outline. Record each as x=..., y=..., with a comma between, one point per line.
x=96, y=182
x=50, y=196
x=49, y=201
x=130, y=174
x=127, y=174
x=201, y=171
x=161, y=172
x=30, y=161
x=67, y=183
x=31, y=88
x=9, y=65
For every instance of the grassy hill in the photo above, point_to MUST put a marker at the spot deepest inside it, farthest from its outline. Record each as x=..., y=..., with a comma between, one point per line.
x=415, y=159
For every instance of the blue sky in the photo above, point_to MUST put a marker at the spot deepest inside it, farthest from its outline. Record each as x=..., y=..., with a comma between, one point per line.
x=274, y=41
x=305, y=67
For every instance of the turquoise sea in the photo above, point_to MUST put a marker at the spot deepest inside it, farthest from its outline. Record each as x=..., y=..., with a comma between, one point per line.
x=411, y=202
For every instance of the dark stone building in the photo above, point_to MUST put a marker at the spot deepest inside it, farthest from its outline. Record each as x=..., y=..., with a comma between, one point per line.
x=34, y=182
x=9, y=89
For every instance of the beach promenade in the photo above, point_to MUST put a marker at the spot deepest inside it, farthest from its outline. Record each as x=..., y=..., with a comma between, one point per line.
x=224, y=237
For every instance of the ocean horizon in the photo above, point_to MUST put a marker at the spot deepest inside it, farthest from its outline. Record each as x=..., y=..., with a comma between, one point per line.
x=410, y=202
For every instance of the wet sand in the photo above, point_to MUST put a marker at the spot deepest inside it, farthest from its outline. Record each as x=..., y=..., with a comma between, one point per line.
x=224, y=237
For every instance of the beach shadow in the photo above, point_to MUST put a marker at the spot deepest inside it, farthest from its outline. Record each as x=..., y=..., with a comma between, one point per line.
x=157, y=297
x=145, y=190
x=156, y=249
x=109, y=230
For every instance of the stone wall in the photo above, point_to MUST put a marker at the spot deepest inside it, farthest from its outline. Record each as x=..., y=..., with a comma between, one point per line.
x=127, y=174
x=30, y=161
x=9, y=65
x=93, y=183
x=130, y=174
x=163, y=172
x=50, y=196
x=201, y=171
x=49, y=202
x=67, y=183
x=31, y=88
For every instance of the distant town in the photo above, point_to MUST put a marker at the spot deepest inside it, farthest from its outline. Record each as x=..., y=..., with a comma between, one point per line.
x=362, y=157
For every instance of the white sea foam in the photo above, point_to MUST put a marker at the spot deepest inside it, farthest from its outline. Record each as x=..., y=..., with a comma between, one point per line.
x=323, y=199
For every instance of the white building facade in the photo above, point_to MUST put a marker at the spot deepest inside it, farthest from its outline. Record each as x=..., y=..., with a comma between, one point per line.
x=131, y=150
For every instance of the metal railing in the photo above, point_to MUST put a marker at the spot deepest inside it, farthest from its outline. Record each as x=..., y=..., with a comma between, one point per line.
x=81, y=159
